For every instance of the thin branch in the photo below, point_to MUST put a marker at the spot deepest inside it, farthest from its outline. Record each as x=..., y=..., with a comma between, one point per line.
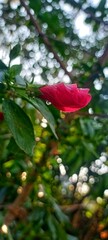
x=15, y=209
x=45, y=38
x=99, y=115
x=71, y=208
x=93, y=226
x=76, y=48
x=104, y=58
x=87, y=11
x=96, y=19
x=69, y=116
x=94, y=74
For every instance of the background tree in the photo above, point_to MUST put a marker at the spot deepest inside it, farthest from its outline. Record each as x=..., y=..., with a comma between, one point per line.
x=53, y=165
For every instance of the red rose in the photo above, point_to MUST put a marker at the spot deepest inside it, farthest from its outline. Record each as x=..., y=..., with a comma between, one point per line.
x=68, y=98
x=1, y=117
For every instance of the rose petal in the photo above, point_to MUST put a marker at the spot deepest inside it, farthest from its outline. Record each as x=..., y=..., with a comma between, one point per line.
x=68, y=98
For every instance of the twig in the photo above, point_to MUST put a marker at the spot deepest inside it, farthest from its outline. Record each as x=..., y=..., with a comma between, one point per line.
x=76, y=48
x=69, y=116
x=45, y=38
x=15, y=209
x=71, y=208
x=93, y=226
x=99, y=115
x=46, y=41
x=96, y=19
x=87, y=11
x=104, y=57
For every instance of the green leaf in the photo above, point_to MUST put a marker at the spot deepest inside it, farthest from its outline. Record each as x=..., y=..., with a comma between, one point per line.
x=2, y=91
x=2, y=194
x=70, y=237
x=90, y=147
x=20, y=126
x=2, y=88
x=15, y=52
x=41, y=106
x=16, y=69
x=20, y=80
x=52, y=227
x=61, y=233
x=36, y=6
x=2, y=76
x=13, y=148
x=59, y=214
x=101, y=5
x=56, y=229
x=2, y=66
